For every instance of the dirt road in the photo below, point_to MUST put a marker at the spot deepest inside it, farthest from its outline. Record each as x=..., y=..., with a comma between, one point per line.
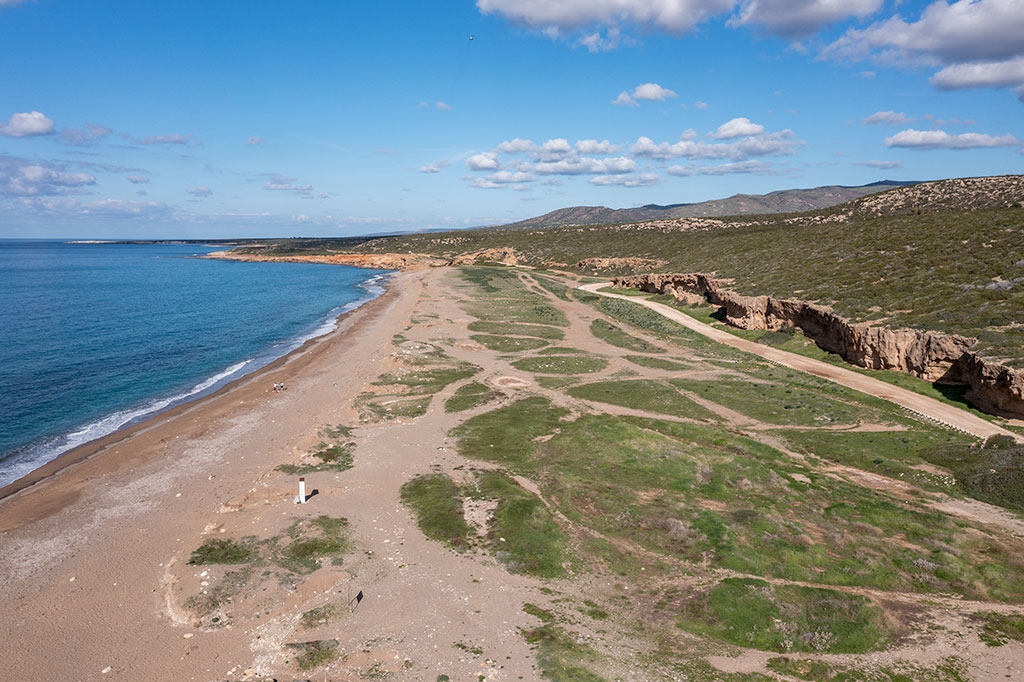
x=930, y=408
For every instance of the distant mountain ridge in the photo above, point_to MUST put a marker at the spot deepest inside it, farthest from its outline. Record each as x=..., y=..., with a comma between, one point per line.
x=782, y=201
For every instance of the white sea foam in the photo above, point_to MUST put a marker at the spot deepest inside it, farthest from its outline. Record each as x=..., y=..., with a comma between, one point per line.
x=41, y=452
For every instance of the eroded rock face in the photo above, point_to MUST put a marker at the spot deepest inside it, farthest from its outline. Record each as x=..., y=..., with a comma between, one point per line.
x=381, y=261
x=933, y=356
x=507, y=256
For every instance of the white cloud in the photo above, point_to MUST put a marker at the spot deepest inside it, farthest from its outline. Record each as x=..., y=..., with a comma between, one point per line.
x=516, y=146
x=21, y=177
x=484, y=161
x=167, y=139
x=27, y=124
x=595, y=147
x=279, y=183
x=624, y=100
x=642, y=180
x=737, y=127
x=595, y=42
x=883, y=165
x=981, y=74
x=979, y=42
x=254, y=141
x=675, y=16
x=703, y=106
x=650, y=92
x=765, y=144
x=441, y=106
x=105, y=208
x=940, y=139
x=737, y=167
x=201, y=192
x=435, y=167
x=586, y=166
x=499, y=180
x=137, y=179
x=887, y=117
x=799, y=18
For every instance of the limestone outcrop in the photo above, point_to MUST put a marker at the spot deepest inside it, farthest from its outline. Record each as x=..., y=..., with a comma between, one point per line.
x=611, y=263
x=380, y=261
x=933, y=356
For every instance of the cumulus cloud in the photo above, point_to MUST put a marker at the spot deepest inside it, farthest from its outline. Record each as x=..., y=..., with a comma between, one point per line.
x=137, y=179
x=765, y=144
x=883, y=165
x=641, y=180
x=586, y=166
x=887, y=117
x=799, y=18
x=27, y=124
x=201, y=192
x=650, y=92
x=441, y=106
x=980, y=43
x=254, y=141
x=500, y=180
x=24, y=178
x=737, y=127
x=279, y=183
x=105, y=208
x=483, y=161
x=595, y=147
x=516, y=146
x=999, y=74
x=940, y=139
x=675, y=16
x=701, y=105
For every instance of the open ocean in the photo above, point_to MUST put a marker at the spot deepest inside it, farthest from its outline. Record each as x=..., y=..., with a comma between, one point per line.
x=97, y=336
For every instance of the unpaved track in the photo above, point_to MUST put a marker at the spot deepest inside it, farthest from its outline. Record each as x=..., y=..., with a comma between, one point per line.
x=947, y=415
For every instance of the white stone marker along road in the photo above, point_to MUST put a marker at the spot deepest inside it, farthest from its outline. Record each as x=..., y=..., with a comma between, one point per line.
x=945, y=414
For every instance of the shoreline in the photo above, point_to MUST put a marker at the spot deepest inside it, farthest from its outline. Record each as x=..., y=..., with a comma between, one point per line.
x=97, y=446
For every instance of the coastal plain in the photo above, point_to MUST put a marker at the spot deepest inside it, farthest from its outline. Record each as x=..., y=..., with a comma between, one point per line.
x=513, y=479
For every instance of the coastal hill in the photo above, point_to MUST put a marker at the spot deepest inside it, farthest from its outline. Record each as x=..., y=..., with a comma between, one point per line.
x=782, y=201
x=943, y=257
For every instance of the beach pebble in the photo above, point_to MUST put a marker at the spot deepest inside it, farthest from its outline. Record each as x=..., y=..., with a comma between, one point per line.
x=72, y=579
x=188, y=635
x=106, y=670
x=178, y=495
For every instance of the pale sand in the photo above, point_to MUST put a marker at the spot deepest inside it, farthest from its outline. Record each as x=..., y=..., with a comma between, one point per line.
x=90, y=557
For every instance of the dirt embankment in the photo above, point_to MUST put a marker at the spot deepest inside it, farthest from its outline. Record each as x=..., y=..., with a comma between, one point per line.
x=934, y=356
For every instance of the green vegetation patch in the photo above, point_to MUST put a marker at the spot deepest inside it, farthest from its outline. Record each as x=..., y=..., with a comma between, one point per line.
x=560, y=656
x=562, y=364
x=609, y=333
x=329, y=456
x=523, y=535
x=502, y=297
x=949, y=669
x=218, y=551
x=508, y=344
x=437, y=503
x=890, y=453
x=321, y=615
x=507, y=329
x=756, y=614
x=999, y=628
x=469, y=396
x=783, y=396
x=380, y=408
x=656, y=363
x=322, y=537
x=314, y=654
x=643, y=394
x=505, y=435
x=427, y=381
x=993, y=472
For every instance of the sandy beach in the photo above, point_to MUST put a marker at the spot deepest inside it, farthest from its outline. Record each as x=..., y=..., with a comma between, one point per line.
x=93, y=549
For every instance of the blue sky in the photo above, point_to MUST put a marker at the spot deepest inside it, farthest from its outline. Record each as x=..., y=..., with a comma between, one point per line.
x=223, y=119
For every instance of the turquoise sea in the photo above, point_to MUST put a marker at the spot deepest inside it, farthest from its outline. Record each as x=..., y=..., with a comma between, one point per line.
x=97, y=336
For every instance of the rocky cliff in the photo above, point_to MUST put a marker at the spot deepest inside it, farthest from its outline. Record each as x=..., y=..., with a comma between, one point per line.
x=933, y=356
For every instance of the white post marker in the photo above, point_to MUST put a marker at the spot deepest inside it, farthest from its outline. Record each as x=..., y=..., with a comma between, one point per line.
x=302, y=490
